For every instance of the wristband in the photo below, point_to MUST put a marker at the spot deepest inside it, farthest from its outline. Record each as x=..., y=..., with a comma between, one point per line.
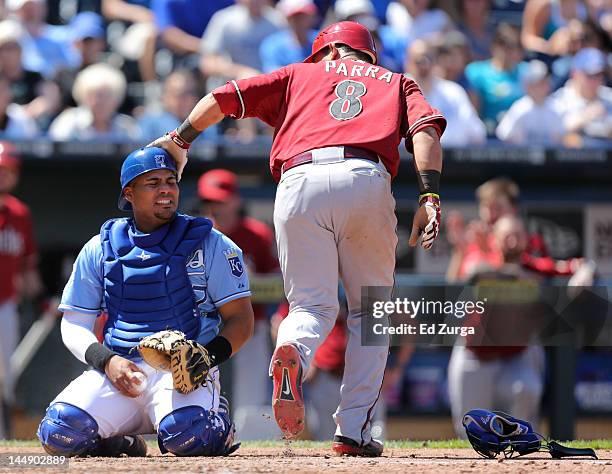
x=176, y=138
x=219, y=350
x=187, y=131
x=429, y=181
x=429, y=197
x=97, y=355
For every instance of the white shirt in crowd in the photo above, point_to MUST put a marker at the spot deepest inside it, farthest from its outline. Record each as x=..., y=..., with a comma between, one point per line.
x=528, y=123
x=77, y=124
x=463, y=127
x=234, y=33
x=424, y=26
x=19, y=125
x=571, y=105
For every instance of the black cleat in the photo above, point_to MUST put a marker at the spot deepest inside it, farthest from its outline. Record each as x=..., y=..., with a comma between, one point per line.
x=344, y=446
x=133, y=446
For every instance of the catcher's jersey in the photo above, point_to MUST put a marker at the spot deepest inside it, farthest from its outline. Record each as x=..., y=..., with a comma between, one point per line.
x=216, y=272
x=332, y=103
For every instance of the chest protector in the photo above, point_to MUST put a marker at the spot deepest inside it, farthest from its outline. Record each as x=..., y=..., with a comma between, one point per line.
x=146, y=286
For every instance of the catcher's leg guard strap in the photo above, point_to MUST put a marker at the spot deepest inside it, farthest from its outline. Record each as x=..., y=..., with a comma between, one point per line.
x=66, y=430
x=194, y=431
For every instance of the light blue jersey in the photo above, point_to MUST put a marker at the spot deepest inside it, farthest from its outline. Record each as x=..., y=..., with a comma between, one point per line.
x=216, y=271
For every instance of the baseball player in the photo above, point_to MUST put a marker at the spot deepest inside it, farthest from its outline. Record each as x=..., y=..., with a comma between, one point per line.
x=338, y=120
x=18, y=259
x=154, y=271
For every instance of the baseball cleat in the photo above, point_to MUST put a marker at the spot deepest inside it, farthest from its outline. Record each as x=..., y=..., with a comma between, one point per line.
x=115, y=446
x=287, y=399
x=344, y=446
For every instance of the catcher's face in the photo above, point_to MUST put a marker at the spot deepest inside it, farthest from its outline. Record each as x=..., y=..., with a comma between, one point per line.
x=154, y=197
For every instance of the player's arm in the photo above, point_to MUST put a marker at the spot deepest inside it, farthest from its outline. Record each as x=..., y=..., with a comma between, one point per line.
x=238, y=323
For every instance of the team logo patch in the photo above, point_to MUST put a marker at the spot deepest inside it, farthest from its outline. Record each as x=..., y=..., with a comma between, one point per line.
x=286, y=392
x=234, y=262
x=160, y=160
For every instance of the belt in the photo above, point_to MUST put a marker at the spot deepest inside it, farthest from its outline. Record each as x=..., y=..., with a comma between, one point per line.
x=349, y=152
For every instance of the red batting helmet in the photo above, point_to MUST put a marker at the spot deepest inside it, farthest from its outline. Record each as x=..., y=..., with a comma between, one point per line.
x=349, y=33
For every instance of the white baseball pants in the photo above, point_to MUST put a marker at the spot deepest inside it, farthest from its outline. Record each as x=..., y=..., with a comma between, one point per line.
x=335, y=218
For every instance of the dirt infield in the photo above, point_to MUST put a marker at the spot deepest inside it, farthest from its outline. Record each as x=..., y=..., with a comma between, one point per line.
x=309, y=460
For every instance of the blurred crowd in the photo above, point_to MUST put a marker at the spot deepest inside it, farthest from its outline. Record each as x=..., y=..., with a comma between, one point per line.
x=522, y=72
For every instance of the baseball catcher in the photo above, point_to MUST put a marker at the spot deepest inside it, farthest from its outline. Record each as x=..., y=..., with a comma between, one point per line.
x=178, y=303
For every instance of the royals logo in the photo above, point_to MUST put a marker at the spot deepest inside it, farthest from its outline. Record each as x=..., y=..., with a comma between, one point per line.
x=160, y=160
x=234, y=262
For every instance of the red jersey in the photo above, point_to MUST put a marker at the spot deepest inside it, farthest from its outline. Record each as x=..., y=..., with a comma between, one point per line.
x=16, y=243
x=332, y=103
x=256, y=240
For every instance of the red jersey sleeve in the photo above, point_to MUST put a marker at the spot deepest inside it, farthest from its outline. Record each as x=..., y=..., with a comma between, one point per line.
x=419, y=114
x=261, y=96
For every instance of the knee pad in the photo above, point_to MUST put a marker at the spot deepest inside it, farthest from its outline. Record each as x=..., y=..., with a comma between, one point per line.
x=194, y=431
x=66, y=430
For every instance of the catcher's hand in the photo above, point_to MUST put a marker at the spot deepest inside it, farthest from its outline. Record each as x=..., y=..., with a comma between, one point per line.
x=179, y=153
x=426, y=222
x=171, y=351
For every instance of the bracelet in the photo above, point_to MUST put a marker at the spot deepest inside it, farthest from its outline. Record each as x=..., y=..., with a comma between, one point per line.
x=97, y=355
x=219, y=350
x=429, y=181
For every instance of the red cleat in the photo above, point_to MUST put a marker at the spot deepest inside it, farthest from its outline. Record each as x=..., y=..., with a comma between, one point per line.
x=344, y=446
x=287, y=399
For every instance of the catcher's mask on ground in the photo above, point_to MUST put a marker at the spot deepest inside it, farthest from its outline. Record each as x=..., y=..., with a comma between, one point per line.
x=139, y=162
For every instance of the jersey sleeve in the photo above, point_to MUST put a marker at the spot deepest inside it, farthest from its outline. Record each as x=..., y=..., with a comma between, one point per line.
x=261, y=96
x=226, y=274
x=85, y=288
x=419, y=114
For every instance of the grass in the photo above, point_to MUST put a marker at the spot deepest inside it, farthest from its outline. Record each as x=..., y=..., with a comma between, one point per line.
x=399, y=444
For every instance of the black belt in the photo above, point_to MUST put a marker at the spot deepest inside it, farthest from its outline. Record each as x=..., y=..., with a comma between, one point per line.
x=349, y=152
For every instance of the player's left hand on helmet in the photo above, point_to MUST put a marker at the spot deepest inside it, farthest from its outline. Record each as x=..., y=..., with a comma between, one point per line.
x=178, y=153
x=426, y=222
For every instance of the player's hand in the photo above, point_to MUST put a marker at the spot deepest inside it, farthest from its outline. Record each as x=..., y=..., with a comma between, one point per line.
x=121, y=372
x=179, y=154
x=426, y=222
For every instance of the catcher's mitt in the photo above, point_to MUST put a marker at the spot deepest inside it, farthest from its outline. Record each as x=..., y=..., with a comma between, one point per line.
x=170, y=351
x=494, y=432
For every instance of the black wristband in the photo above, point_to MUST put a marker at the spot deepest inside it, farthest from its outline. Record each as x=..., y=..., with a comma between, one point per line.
x=429, y=181
x=187, y=132
x=97, y=355
x=219, y=350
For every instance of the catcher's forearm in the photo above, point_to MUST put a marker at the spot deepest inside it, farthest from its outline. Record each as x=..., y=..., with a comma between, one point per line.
x=77, y=332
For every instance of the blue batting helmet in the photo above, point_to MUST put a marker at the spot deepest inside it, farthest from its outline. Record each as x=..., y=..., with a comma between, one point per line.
x=139, y=162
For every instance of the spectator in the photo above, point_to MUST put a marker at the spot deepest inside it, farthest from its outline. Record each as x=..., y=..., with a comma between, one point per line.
x=390, y=46
x=294, y=44
x=533, y=120
x=417, y=19
x=88, y=41
x=98, y=90
x=582, y=34
x=42, y=52
x=180, y=94
x=18, y=259
x=453, y=56
x=585, y=103
x=15, y=124
x=494, y=83
x=476, y=25
x=181, y=23
x=231, y=42
x=498, y=377
x=40, y=98
x=463, y=125
x=138, y=42
x=600, y=13
x=220, y=201
x=545, y=25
